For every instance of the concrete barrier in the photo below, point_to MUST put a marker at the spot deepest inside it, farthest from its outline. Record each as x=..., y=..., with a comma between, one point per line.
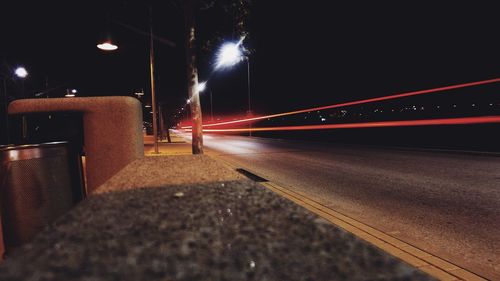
x=112, y=130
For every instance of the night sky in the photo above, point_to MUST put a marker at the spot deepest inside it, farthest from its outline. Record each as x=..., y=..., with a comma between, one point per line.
x=304, y=53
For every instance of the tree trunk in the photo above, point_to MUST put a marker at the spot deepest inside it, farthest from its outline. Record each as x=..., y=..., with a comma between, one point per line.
x=192, y=77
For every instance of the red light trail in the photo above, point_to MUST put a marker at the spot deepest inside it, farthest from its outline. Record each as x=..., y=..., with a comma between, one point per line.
x=400, y=123
x=408, y=94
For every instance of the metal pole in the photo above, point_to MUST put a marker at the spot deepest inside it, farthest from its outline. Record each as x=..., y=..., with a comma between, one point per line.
x=151, y=68
x=7, y=135
x=211, y=107
x=162, y=125
x=24, y=121
x=47, y=86
x=249, y=107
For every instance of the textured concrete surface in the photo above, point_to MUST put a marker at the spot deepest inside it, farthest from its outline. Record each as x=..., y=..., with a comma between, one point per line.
x=190, y=218
x=112, y=130
x=177, y=146
x=171, y=170
x=447, y=204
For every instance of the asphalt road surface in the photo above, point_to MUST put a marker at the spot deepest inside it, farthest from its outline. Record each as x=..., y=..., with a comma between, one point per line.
x=446, y=203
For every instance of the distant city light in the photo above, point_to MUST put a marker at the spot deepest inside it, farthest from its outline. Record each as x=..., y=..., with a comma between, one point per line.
x=21, y=72
x=107, y=46
x=74, y=91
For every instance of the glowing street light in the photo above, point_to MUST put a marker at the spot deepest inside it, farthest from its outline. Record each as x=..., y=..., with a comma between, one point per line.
x=229, y=55
x=202, y=86
x=70, y=93
x=139, y=94
x=107, y=46
x=21, y=72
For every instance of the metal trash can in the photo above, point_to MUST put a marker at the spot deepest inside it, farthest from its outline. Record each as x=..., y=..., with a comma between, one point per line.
x=38, y=183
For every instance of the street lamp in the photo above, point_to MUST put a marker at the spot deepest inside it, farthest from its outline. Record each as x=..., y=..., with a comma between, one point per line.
x=70, y=93
x=229, y=55
x=6, y=105
x=108, y=46
x=139, y=94
x=21, y=72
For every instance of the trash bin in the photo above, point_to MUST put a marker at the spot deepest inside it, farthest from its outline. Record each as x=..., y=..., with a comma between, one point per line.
x=38, y=183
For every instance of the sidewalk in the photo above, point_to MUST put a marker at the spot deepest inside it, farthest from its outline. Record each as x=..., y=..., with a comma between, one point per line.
x=177, y=146
x=189, y=217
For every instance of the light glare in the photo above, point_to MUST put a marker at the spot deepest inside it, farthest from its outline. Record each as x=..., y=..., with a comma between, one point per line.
x=229, y=55
x=21, y=72
x=107, y=46
x=202, y=86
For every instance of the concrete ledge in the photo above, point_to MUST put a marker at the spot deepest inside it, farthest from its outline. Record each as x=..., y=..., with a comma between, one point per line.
x=112, y=130
x=191, y=218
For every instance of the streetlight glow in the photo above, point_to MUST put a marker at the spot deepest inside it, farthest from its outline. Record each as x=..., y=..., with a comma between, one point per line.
x=70, y=93
x=21, y=72
x=229, y=54
x=107, y=46
x=202, y=86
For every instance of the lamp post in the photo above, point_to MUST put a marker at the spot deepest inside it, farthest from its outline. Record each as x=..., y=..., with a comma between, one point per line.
x=22, y=73
x=109, y=46
x=6, y=105
x=248, y=84
x=211, y=108
x=152, y=80
x=229, y=55
x=70, y=93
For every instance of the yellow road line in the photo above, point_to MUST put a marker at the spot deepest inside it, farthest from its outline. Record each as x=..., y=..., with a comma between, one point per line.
x=418, y=258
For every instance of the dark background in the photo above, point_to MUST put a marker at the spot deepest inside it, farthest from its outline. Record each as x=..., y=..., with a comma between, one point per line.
x=304, y=53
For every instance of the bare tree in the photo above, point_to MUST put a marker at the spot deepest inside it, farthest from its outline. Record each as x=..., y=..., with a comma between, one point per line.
x=192, y=76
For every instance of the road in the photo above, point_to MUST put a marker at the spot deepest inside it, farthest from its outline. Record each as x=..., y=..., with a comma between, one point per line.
x=447, y=204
